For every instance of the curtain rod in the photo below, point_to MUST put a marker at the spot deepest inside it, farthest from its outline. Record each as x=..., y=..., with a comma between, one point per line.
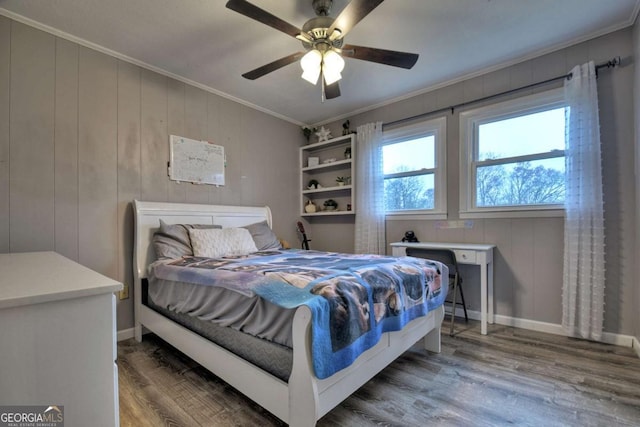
x=609, y=64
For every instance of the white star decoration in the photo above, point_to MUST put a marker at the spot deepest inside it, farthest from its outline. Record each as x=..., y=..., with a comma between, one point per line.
x=323, y=134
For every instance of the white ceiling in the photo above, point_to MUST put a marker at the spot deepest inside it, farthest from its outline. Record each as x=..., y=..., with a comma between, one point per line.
x=202, y=42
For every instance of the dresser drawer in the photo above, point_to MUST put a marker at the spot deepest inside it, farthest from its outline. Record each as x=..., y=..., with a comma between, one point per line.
x=465, y=257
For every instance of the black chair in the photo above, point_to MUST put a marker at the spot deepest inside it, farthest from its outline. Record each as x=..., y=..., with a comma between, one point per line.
x=447, y=257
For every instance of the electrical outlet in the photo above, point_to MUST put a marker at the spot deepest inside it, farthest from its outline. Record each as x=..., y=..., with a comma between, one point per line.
x=124, y=293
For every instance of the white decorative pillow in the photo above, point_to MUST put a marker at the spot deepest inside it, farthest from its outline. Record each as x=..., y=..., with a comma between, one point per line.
x=216, y=243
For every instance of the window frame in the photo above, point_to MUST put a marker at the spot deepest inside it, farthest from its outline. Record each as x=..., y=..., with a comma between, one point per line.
x=436, y=127
x=469, y=126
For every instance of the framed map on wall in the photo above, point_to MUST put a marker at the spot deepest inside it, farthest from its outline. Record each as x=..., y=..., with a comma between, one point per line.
x=199, y=162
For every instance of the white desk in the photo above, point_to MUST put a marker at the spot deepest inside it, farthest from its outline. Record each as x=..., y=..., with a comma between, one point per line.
x=466, y=253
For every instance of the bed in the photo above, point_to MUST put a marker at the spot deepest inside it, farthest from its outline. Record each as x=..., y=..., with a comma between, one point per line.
x=300, y=398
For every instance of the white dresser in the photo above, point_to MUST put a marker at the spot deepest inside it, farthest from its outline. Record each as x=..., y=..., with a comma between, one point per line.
x=58, y=337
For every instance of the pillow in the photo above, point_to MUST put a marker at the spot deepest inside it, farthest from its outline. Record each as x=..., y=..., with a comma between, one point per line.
x=173, y=241
x=222, y=242
x=263, y=236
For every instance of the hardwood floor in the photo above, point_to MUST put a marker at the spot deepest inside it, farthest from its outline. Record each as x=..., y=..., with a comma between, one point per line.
x=509, y=377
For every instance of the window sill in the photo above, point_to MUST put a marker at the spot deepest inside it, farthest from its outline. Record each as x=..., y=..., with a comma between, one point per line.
x=410, y=216
x=532, y=213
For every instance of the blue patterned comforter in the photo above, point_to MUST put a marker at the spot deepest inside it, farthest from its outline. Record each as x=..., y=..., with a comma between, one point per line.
x=354, y=299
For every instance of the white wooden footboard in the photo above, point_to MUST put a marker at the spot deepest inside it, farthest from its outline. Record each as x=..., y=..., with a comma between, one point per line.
x=310, y=398
x=305, y=399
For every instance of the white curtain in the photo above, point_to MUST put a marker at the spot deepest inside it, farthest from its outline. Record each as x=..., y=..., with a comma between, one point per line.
x=583, y=281
x=369, y=233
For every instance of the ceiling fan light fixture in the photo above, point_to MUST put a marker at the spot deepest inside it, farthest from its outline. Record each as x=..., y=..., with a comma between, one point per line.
x=335, y=35
x=330, y=77
x=311, y=64
x=322, y=38
x=332, y=66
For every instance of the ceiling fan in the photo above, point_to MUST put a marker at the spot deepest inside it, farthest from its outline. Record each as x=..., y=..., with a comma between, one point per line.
x=323, y=40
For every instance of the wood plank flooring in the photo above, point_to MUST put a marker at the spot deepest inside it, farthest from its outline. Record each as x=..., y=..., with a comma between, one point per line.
x=509, y=377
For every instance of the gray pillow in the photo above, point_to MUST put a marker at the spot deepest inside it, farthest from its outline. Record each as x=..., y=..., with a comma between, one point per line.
x=263, y=236
x=172, y=240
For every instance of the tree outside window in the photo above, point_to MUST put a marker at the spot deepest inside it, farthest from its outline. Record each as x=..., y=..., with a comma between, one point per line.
x=413, y=167
x=515, y=155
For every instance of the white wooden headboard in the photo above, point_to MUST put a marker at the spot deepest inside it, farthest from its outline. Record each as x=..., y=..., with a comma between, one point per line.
x=148, y=215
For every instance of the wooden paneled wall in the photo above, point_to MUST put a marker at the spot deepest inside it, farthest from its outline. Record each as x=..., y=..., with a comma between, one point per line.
x=82, y=134
x=529, y=261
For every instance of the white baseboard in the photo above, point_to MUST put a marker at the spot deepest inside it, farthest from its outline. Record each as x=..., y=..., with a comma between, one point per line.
x=636, y=345
x=475, y=315
x=125, y=334
x=533, y=325
x=552, y=328
x=618, y=339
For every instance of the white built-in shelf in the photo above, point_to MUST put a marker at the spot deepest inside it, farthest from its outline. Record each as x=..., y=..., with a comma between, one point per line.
x=330, y=143
x=335, y=164
x=328, y=189
x=332, y=163
x=328, y=213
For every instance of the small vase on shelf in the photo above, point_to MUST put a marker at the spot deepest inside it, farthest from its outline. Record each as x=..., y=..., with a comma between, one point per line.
x=310, y=207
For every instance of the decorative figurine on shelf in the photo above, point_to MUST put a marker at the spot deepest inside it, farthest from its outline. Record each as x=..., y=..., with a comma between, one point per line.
x=308, y=131
x=310, y=207
x=345, y=128
x=330, y=205
x=313, y=185
x=347, y=153
x=323, y=134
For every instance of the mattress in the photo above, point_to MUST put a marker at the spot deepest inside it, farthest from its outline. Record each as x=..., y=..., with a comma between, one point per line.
x=251, y=315
x=271, y=357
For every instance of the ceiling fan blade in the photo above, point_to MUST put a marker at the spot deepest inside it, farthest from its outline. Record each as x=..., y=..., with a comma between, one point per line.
x=381, y=56
x=331, y=91
x=272, y=66
x=254, y=12
x=352, y=14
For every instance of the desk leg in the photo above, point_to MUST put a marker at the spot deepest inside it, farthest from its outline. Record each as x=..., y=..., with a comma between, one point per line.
x=490, y=285
x=483, y=298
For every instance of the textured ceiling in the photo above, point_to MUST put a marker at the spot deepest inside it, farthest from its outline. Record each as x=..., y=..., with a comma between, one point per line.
x=202, y=42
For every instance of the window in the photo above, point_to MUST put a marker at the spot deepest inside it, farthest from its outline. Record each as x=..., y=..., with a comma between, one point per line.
x=414, y=169
x=513, y=156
